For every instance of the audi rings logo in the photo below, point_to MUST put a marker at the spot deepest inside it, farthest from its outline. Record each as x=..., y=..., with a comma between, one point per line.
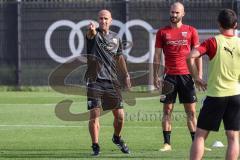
x=76, y=50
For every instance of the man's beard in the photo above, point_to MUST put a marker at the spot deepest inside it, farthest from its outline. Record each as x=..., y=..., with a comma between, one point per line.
x=175, y=19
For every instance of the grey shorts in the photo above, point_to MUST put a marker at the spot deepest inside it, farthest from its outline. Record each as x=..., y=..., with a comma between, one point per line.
x=105, y=94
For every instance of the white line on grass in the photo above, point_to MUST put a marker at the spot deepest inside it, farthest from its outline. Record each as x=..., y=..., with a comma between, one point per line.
x=75, y=102
x=78, y=102
x=67, y=126
x=24, y=104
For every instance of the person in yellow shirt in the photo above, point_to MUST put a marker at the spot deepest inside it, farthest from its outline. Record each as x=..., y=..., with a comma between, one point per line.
x=223, y=86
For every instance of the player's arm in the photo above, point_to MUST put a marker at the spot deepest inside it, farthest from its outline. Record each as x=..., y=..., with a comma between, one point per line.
x=123, y=68
x=193, y=68
x=199, y=66
x=91, y=32
x=156, y=67
x=195, y=42
x=121, y=64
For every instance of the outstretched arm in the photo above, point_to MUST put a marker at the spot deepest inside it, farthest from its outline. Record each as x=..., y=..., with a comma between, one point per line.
x=91, y=31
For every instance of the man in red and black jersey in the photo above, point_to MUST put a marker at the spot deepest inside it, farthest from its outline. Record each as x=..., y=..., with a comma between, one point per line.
x=175, y=42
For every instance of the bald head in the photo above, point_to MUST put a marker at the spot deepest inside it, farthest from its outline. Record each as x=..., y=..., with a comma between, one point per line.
x=104, y=20
x=176, y=13
x=105, y=12
x=178, y=5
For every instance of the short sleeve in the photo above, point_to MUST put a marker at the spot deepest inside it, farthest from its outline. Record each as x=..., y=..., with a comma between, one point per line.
x=120, y=47
x=89, y=45
x=208, y=47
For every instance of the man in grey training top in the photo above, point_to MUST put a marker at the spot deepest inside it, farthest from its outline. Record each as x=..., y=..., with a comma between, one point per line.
x=105, y=61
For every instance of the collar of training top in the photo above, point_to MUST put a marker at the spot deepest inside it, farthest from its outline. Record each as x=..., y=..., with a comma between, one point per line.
x=101, y=31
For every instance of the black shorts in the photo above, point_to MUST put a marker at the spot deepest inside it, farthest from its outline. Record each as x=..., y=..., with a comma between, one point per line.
x=183, y=85
x=105, y=94
x=216, y=109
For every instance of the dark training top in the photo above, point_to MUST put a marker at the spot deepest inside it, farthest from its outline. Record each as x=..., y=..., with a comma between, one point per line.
x=101, y=54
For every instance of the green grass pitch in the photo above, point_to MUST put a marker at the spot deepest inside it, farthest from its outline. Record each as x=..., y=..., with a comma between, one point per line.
x=29, y=129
